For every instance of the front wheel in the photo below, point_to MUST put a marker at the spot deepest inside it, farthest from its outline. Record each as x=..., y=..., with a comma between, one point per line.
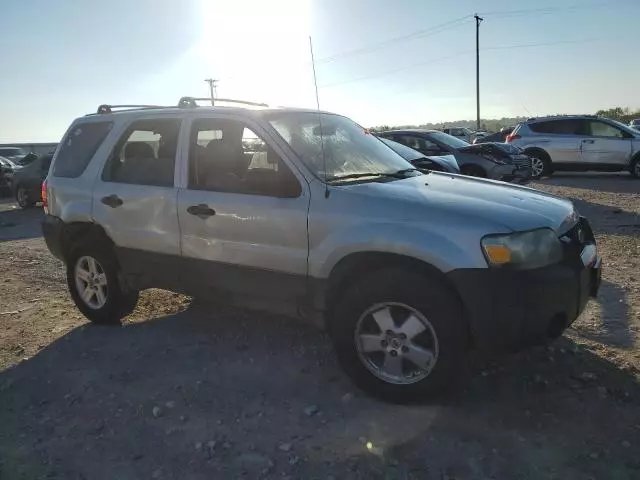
x=94, y=286
x=400, y=335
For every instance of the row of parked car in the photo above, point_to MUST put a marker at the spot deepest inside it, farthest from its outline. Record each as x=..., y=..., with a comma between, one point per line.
x=534, y=148
x=22, y=174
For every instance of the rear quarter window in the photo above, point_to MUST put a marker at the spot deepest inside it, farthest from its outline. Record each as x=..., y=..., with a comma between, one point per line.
x=78, y=148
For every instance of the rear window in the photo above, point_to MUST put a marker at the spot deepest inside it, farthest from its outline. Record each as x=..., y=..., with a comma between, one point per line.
x=559, y=127
x=78, y=148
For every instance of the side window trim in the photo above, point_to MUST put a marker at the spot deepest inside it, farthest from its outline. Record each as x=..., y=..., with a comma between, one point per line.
x=123, y=136
x=262, y=132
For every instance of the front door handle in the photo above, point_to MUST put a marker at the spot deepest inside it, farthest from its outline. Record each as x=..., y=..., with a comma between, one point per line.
x=112, y=201
x=588, y=141
x=201, y=210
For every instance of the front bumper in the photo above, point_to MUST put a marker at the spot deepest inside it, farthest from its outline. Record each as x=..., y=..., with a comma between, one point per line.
x=511, y=173
x=512, y=309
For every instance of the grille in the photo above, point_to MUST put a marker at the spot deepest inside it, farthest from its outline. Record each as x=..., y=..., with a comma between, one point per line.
x=522, y=161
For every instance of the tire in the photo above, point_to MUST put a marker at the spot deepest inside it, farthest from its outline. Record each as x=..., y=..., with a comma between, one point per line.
x=473, y=171
x=445, y=335
x=540, y=163
x=117, y=303
x=23, y=197
x=635, y=167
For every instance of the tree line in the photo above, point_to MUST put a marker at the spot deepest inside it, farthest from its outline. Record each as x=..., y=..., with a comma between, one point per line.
x=622, y=114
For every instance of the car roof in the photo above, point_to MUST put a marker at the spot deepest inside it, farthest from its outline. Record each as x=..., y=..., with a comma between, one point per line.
x=558, y=117
x=150, y=111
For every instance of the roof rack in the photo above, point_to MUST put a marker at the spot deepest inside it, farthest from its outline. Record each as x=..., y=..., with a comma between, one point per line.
x=109, y=108
x=190, y=102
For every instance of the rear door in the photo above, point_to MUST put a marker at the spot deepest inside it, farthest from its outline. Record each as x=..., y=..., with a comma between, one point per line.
x=243, y=213
x=561, y=139
x=134, y=200
x=606, y=144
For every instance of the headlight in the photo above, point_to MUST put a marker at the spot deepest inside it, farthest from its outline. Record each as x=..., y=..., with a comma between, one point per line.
x=533, y=249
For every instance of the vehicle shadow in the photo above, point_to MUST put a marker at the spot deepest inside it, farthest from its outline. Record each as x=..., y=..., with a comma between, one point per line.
x=618, y=182
x=17, y=224
x=217, y=393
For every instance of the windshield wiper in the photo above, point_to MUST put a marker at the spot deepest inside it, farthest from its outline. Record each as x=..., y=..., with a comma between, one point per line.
x=398, y=174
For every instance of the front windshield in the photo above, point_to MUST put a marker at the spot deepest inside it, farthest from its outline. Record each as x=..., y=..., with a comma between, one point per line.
x=405, y=152
x=348, y=148
x=448, y=140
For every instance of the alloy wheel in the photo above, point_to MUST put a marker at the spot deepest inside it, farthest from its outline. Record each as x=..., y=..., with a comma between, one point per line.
x=537, y=166
x=91, y=282
x=396, y=343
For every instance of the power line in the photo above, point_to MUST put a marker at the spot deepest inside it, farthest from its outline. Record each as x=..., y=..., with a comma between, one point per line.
x=547, y=10
x=456, y=22
x=462, y=53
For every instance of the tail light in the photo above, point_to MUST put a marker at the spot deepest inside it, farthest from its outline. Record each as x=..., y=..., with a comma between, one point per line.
x=43, y=195
x=511, y=137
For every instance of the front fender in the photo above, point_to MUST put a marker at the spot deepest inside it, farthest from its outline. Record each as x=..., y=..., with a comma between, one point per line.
x=436, y=248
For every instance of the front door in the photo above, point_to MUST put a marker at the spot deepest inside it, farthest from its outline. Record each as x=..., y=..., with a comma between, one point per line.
x=243, y=213
x=606, y=144
x=134, y=200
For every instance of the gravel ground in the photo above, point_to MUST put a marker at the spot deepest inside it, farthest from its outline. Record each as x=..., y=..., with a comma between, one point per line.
x=200, y=392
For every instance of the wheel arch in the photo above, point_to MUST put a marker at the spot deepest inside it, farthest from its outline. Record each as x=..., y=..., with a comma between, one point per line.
x=76, y=233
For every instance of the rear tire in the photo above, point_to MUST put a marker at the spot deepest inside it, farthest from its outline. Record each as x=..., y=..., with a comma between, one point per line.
x=635, y=167
x=357, y=325
x=23, y=197
x=92, y=278
x=540, y=163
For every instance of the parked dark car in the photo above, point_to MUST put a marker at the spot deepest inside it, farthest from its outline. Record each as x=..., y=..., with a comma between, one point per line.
x=497, y=161
x=12, y=153
x=500, y=136
x=27, y=181
x=444, y=163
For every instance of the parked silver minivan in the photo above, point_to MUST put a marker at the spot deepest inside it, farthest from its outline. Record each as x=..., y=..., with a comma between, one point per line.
x=306, y=214
x=578, y=143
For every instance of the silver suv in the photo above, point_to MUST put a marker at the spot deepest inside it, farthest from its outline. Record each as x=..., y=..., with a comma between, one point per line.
x=307, y=214
x=578, y=143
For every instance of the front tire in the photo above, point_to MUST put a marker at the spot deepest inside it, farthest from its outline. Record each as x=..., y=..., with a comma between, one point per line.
x=400, y=335
x=92, y=278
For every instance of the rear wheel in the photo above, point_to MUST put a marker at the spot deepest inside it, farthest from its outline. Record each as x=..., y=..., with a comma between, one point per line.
x=635, y=167
x=92, y=278
x=23, y=197
x=540, y=163
x=400, y=335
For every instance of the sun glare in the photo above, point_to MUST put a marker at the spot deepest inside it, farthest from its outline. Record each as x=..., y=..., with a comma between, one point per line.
x=259, y=50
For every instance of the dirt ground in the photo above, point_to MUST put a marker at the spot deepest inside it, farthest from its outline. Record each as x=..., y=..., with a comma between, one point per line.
x=185, y=391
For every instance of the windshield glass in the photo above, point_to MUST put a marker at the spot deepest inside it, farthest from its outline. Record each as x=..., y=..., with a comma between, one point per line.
x=349, y=149
x=12, y=152
x=448, y=140
x=405, y=152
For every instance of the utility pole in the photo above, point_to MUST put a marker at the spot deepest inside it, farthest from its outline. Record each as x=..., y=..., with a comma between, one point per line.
x=478, y=20
x=212, y=87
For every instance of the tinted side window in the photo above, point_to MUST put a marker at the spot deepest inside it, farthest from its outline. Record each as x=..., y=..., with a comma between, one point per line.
x=418, y=143
x=602, y=129
x=227, y=156
x=78, y=148
x=145, y=154
x=559, y=127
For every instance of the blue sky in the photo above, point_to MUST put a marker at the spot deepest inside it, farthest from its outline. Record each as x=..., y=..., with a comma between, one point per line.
x=61, y=59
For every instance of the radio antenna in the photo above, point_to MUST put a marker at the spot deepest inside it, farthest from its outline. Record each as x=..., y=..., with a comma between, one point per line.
x=315, y=83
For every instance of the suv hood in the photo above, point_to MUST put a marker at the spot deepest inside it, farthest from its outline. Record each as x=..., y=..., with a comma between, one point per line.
x=501, y=206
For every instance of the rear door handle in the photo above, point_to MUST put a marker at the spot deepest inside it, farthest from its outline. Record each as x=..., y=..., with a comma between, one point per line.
x=201, y=210
x=588, y=141
x=112, y=201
